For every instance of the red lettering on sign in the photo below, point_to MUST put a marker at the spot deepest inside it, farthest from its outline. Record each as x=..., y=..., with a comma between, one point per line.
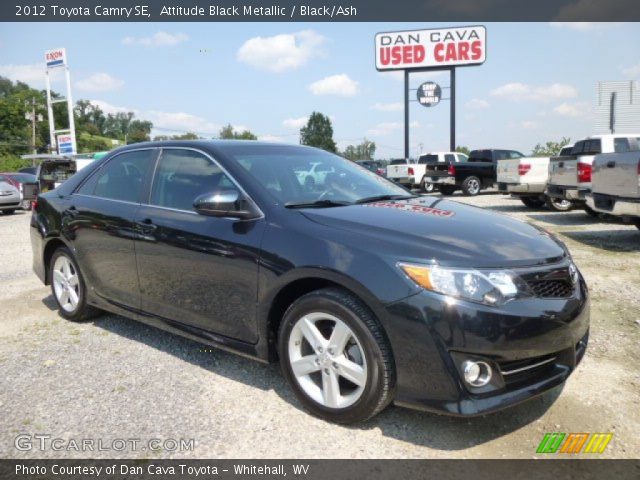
x=407, y=54
x=444, y=52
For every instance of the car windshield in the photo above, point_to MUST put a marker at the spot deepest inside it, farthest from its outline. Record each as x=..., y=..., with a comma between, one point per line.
x=298, y=176
x=24, y=177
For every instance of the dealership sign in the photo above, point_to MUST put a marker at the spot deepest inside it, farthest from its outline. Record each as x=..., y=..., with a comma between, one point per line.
x=429, y=94
x=55, y=58
x=66, y=144
x=433, y=48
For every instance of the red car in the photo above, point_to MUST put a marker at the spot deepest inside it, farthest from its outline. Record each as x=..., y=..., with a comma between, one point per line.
x=26, y=183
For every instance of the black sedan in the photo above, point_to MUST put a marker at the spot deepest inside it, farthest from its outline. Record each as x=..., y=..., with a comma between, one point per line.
x=365, y=293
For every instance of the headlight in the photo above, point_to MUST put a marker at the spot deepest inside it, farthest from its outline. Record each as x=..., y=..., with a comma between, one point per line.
x=491, y=287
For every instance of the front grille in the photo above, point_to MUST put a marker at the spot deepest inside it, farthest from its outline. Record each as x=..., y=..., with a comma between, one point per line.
x=551, y=288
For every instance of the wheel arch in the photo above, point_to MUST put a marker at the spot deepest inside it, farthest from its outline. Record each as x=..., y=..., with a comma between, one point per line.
x=51, y=246
x=276, y=303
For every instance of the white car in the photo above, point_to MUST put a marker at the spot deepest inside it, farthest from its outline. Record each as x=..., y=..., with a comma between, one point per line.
x=315, y=176
x=527, y=177
x=10, y=198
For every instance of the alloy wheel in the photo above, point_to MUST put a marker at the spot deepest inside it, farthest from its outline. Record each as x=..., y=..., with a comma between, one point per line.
x=66, y=284
x=327, y=360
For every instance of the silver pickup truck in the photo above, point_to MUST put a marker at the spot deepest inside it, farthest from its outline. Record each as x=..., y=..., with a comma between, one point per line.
x=615, y=184
x=570, y=176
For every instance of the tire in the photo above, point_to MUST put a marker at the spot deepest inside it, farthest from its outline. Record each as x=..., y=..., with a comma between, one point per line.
x=365, y=355
x=559, y=205
x=65, y=276
x=592, y=213
x=471, y=186
x=426, y=186
x=447, y=189
x=8, y=212
x=533, y=202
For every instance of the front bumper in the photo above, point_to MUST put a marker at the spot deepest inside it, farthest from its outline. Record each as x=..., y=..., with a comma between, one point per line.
x=617, y=206
x=532, y=346
x=523, y=188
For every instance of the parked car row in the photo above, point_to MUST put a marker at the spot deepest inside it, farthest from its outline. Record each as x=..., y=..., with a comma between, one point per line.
x=17, y=190
x=600, y=174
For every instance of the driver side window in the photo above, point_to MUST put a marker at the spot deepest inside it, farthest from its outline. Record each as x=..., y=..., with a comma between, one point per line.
x=182, y=176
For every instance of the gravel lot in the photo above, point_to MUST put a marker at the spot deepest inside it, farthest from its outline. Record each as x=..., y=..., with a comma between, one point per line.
x=116, y=379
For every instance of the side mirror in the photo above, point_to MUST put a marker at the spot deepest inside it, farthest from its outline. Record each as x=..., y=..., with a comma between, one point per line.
x=224, y=203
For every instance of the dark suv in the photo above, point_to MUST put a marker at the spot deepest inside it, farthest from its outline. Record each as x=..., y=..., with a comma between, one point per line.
x=365, y=293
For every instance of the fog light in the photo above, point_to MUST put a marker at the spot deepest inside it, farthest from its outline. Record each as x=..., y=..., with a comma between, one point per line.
x=476, y=374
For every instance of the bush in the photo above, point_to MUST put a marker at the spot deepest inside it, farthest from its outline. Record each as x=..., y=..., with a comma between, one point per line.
x=12, y=163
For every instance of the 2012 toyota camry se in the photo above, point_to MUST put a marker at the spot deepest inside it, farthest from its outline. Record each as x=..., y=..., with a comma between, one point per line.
x=365, y=293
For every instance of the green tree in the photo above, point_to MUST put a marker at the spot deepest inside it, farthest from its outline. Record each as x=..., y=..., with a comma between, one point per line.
x=318, y=132
x=363, y=151
x=228, y=133
x=139, y=131
x=182, y=136
x=550, y=148
x=463, y=149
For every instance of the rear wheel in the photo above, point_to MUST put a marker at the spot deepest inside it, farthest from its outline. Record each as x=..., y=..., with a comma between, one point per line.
x=533, y=202
x=68, y=287
x=426, y=186
x=471, y=186
x=8, y=212
x=336, y=357
x=559, y=205
x=447, y=189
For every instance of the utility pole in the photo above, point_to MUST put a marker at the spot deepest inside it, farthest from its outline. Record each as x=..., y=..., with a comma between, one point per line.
x=33, y=117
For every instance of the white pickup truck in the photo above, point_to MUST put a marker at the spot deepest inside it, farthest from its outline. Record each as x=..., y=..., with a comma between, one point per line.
x=398, y=171
x=526, y=178
x=570, y=176
x=615, y=183
x=414, y=175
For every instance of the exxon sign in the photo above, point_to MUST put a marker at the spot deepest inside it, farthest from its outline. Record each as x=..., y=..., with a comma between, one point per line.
x=55, y=58
x=433, y=48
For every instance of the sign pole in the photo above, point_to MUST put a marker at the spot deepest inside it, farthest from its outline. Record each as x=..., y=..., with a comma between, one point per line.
x=452, y=114
x=406, y=114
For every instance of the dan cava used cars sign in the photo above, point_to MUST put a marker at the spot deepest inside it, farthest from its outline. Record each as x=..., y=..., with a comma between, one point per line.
x=433, y=48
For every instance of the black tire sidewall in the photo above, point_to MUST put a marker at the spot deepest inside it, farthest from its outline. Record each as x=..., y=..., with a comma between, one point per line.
x=78, y=314
x=369, y=400
x=553, y=206
x=465, y=186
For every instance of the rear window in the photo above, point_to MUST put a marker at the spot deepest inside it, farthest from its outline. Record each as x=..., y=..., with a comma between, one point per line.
x=399, y=161
x=593, y=147
x=450, y=158
x=565, y=151
x=24, y=177
x=427, y=159
x=480, y=156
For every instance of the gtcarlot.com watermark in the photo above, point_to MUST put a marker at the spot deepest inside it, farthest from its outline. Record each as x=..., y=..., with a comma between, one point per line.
x=43, y=442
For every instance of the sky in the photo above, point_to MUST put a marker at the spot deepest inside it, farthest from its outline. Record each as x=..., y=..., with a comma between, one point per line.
x=537, y=84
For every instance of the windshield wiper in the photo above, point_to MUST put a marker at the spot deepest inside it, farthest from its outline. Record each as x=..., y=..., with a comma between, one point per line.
x=378, y=198
x=318, y=204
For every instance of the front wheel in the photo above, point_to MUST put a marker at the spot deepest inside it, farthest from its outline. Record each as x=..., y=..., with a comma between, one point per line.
x=471, y=186
x=559, y=204
x=533, y=202
x=8, y=212
x=447, y=189
x=68, y=287
x=591, y=212
x=336, y=357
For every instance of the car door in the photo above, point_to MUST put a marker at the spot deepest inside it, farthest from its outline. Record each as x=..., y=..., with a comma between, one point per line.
x=99, y=219
x=195, y=269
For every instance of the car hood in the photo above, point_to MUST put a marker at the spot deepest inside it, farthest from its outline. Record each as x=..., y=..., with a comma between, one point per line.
x=430, y=229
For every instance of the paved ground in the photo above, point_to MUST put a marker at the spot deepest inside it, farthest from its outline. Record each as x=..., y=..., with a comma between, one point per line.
x=116, y=379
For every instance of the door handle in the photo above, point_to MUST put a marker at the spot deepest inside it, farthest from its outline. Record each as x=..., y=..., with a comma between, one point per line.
x=611, y=164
